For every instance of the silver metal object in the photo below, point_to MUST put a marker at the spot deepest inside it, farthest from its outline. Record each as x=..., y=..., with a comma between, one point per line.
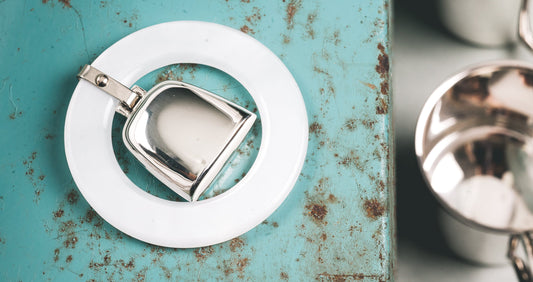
x=128, y=97
x=524, y=25
x=182, y=134
x=474, y=142
x=488, y=22
x=522, y=268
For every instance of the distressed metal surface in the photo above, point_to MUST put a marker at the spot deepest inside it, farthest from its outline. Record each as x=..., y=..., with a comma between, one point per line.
x=338, y=222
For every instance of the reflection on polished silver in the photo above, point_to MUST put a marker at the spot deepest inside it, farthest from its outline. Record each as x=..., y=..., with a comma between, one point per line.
x=474, y=142
x=182, y=134
x=524, y=25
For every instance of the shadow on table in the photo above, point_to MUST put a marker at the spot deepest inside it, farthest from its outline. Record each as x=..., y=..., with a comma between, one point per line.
x=417, y=209
x=422, y=11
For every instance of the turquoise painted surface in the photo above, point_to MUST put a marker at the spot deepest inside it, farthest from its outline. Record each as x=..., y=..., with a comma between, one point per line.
x=337, y=223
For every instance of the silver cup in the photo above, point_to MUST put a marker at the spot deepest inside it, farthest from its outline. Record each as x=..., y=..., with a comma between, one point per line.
x=488, y=22
x=474, y=143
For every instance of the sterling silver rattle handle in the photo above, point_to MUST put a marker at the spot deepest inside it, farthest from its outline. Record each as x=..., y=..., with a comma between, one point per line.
x=521, y=267
x=128, y=97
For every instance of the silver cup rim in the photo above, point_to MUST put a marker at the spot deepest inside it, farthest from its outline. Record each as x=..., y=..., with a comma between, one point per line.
x=423, y=119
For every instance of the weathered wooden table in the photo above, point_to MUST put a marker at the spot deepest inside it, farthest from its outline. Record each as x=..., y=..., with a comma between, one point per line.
x=338, y=222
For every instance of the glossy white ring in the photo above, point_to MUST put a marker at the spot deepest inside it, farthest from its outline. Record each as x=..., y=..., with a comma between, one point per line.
x=177, y=224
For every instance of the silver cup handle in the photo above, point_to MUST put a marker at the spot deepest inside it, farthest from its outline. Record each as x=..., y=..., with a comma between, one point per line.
x=524, y=25
x=521, y=266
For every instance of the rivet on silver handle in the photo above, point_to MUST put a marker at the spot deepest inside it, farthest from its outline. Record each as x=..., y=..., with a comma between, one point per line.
x=128, y=97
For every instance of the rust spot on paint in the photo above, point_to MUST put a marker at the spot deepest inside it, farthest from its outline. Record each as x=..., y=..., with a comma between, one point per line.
x=275, y=224
x=66, y=3
x=97, y=265
x=107, y=259
x=332, y=198
x=352, y=160
x=255, y=17
x=68, y=259
x=236, y=243
x=141, y=276
x=354, y=228
x=131, y=20
x=382, y=68
x=67, y=231
x=245, y=1
x=368, y=124
x=370, y=85
x=166, y=75
x=321, y=71
x=238, y=264
x=247, y=30
x=41, y=177
x=204, y=252
x=373, y=208
x=336, y=38
x=176, y=72
x=315, y=128
x=286, y=39
x=120, y=265
x=382, y=106
x=70, y=242
x=241, y=264
x=347, y=277
x=324, y=236
x=228, y=271
x=351, y=124
x=309, y=25
x=56, y=255
x=381, y=185
x=329, y=81
x=127, y=265
x=14, y=115
x=317, y=201
x=59, y=213
x=284, y=276
x=89, y=215
x=29, y=169
x=317, y=212
x=292, y=8
x=384, y=88
x=72, y=197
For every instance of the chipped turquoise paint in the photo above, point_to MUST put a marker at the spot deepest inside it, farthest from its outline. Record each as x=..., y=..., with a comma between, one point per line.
x=337, y=223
